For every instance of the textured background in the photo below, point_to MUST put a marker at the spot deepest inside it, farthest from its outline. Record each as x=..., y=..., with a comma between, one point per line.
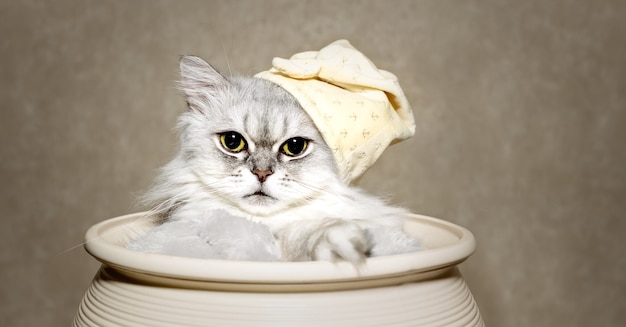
x=520, y=109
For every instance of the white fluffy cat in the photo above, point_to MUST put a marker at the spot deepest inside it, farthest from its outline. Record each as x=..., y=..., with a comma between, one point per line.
x=254, y=180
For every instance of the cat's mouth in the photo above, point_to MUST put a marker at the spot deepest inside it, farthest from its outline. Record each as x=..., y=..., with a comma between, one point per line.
x=260, y=194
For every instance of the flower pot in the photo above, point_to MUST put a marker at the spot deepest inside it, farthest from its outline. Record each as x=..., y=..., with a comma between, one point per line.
x=424, y=288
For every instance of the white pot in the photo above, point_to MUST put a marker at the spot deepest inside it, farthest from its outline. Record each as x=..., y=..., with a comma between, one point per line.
x=423, y=288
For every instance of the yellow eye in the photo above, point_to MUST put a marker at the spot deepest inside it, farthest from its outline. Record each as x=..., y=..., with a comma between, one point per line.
x=233, y=142
x=294, y=146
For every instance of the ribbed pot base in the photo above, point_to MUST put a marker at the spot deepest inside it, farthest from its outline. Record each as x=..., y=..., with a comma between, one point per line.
x=442, y=301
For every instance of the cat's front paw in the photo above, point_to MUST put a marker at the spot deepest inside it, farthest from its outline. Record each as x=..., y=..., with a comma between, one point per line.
x=342, y=241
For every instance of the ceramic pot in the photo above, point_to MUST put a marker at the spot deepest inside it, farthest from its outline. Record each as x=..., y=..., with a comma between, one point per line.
x=424, y=288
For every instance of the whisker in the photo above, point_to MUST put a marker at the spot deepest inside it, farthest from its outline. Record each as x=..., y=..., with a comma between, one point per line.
x=71, y=248
x=315, y=188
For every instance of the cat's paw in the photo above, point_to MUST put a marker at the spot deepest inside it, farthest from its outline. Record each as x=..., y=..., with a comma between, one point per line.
x=343, y=241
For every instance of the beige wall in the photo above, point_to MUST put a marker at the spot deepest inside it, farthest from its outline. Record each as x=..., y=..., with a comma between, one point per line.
x=520, y=109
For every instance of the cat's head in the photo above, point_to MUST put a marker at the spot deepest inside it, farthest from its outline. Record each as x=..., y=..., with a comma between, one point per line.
x=249, y=143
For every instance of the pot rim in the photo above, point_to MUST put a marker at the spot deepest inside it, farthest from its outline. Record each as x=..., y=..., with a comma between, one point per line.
x=447, y=245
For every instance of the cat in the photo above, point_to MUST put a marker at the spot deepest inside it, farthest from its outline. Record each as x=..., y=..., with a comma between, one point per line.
x=254, y=178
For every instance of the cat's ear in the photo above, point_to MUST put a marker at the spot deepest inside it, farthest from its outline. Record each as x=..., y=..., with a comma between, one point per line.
x=200, y=82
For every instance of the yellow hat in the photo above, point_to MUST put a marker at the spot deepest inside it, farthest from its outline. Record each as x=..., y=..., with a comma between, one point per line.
x=358, y=108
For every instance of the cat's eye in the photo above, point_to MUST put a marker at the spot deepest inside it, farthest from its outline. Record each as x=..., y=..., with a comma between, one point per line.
x=294, y=146
x=233, y=142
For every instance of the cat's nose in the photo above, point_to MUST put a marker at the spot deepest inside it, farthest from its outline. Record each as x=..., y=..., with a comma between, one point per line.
x=262, y=174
